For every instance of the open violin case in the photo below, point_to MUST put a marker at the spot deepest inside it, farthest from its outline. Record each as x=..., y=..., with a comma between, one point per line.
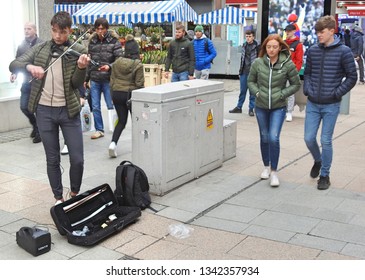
x=92, y=216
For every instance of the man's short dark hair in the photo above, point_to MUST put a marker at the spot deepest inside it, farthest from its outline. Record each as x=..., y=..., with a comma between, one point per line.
x=62, y=19
x=324, y=22
x=101, y=21
x=250, y=32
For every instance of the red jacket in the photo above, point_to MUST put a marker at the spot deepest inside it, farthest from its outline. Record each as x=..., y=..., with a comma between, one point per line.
x=297, y=53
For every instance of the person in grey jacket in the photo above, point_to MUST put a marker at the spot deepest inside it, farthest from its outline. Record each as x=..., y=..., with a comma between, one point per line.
x=356, y=43
x=267, y=80
x=56, y=101
x=31, y=39
x=329, y=74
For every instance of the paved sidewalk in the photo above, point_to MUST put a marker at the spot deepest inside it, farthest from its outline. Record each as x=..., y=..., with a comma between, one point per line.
x=232, y=213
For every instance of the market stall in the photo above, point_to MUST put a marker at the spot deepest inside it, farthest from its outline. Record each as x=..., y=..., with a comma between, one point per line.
x=136, y=12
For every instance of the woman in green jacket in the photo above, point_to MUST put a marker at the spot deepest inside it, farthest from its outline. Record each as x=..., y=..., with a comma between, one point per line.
x=272, y=78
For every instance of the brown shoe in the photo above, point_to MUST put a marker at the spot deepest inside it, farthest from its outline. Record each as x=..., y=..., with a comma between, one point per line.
x=97, y=134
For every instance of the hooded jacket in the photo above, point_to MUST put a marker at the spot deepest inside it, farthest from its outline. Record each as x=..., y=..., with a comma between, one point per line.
x=73, y=77
x=104, y=51
x=269, y=83
x=127, y=75
x=326, y=67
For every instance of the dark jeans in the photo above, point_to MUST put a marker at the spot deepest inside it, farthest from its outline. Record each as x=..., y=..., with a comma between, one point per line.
x=120, y=99
x=24, y=100
x=243, y=93
x=50, y=120
x=270, y=124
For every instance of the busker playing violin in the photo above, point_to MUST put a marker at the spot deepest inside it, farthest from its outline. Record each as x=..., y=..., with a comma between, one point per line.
x=56, y=101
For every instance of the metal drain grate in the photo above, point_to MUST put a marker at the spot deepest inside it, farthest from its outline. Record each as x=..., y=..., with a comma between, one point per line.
x=14, y=135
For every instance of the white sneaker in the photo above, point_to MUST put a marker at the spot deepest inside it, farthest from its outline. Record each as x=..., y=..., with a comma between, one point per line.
x=289, y=117
x=113, y=150
x=266, y=173
x=274, y=182
x=64, y=150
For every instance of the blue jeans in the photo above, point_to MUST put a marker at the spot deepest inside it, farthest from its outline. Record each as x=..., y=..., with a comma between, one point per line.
x=270, y=124
x=243, y=92
x=24, y=100
x=96, y=88
x=314, y=114
x=50, y=120
x=183, y=76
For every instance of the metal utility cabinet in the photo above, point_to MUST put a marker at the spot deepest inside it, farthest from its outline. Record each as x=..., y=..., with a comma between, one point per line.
x=177, y=131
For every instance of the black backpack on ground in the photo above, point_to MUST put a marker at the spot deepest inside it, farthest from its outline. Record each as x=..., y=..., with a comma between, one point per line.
x=131, y=186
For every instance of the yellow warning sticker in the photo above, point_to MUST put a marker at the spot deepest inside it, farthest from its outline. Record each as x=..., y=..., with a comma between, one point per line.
x=210, y=119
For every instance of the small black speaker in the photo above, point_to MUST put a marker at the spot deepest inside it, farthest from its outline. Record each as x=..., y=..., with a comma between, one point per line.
x=34, y=240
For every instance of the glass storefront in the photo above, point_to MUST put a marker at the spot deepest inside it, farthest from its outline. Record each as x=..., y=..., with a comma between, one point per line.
x=14, y=14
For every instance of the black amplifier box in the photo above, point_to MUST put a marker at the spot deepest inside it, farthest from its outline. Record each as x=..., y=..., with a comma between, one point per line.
x=34, y=240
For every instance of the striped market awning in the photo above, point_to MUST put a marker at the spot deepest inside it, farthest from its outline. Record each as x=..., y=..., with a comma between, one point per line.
x=227, y=15
x=134, y=12
x=70, y=8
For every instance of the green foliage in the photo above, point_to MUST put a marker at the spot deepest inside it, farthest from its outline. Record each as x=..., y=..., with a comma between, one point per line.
x=124, y=31
x=154, y=57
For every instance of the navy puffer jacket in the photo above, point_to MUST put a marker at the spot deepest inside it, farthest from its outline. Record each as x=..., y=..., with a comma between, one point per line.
x=325, y=70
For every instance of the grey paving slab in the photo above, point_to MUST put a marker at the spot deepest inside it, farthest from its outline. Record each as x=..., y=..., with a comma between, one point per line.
x=6, y=217
x=286, y=222
x=346, y=194
x=6, y=238
x=339, y=231
x=98, y=253
x=177, y=214
x=244, y=199
x=13, y=252
x=333, y=215
x=220, y=224
x=234, y=213
x=294, y=209
x=309, y=199
x=317, y=243
x=13, y=227
x=354, y=250
x=62, y=247
x=262, y=249
x=269, y=233
x=358, y=220
x=213, y=195
x=353, y=206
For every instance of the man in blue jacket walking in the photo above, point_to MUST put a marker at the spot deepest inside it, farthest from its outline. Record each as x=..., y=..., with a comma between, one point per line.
x=204, y=54
x=329, y=74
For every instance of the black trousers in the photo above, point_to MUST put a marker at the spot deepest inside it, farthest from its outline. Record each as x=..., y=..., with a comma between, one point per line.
x=120, y=99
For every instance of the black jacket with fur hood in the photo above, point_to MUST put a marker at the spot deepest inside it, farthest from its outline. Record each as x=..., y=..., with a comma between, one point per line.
x=104, y=51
